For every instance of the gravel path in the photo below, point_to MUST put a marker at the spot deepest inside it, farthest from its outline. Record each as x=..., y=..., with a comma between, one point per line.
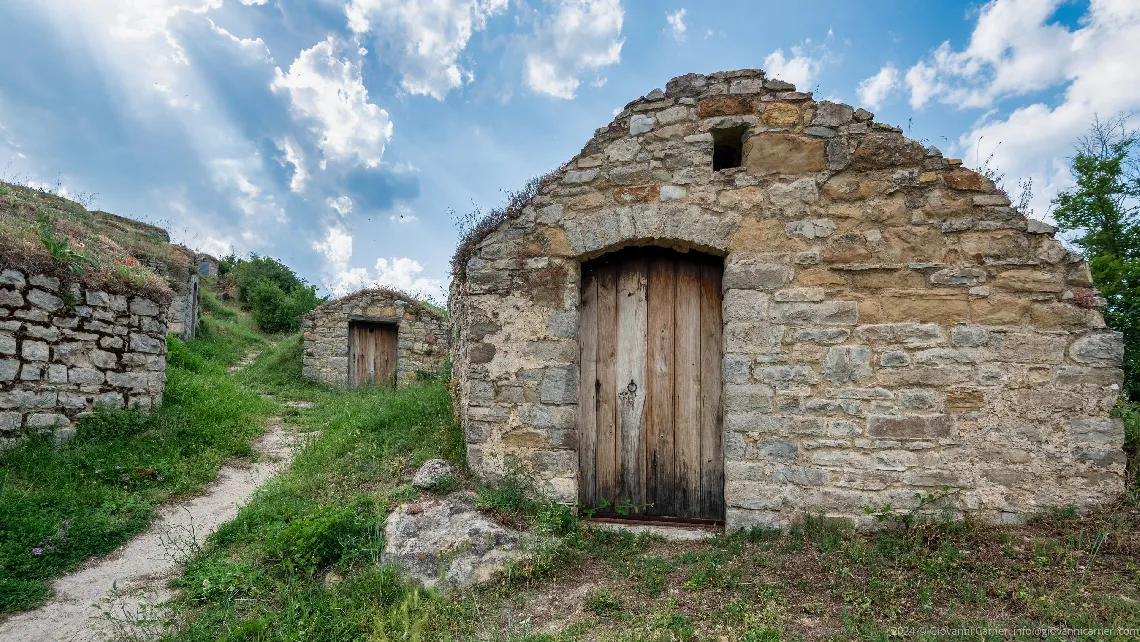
x=117, y=595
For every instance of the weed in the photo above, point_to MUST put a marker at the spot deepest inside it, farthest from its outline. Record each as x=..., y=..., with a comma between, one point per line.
x=603, y=604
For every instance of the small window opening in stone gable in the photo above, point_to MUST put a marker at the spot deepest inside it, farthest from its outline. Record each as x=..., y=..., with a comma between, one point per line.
x=728, y=147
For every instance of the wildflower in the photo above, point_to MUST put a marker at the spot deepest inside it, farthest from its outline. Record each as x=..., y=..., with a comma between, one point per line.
x=97, y=471
x=37, y=551
x=117, y=467
x=80, y=244
x=159, y=478
x=118, y=262
x=130, y=260
x=67, y=522
x=126, y=478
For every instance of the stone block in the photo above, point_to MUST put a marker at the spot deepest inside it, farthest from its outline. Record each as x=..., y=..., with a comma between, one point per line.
x=45, y=282
x=10, y=421
x=46, y=420
x=1105, y=431
x=44, y=300
x=846, y=363
x=910, y=335
x=559, y=385
x=894, y=359
x=147, y=343
x=747, y=337
x=801, y=476
x=750, y=274
x=11, y=298
x=127, y=379
x=788, y=154
x=822, y=313
x=747, y=398
x=1029, y=347
x=9, y=368
x=640, y=124
x=84, y=376
x=7, y=344
x=745, y=305
x=34, y=350
x=909, y=426
x=13, y=278
x=1100, y=349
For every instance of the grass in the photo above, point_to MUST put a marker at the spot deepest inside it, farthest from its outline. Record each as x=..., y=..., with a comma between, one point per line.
x=72, y=503
x=103, y=250
x=301, y=561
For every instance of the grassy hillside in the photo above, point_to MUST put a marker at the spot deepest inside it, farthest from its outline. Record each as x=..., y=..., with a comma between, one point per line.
x=61, y=506
x=46, y=233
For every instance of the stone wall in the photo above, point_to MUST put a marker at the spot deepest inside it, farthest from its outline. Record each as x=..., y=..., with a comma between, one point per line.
x=891, y=324
x=423, y=335
x=64, y=350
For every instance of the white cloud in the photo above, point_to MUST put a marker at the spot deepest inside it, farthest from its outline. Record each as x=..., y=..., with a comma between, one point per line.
x=430, y=34
x=294, y=157
x=582, y=36
x=802, y=68
x=1094, y=63
x=400, y=273
x=403, y=215
x=874, y=91
x=676, y=22
x=253, y=2
x=342, y=205
x=1014, y=50
x=254, y=46
x=329, y=92
x=258, y=207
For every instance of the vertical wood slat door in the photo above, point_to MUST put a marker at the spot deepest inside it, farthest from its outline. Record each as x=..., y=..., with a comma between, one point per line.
x=650, y=430
x=372, y=351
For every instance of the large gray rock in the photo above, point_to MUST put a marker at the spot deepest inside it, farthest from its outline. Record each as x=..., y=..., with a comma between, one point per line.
x=431, y=473
x=446, y=543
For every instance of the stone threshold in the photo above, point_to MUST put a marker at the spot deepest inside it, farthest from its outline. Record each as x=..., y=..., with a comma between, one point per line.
x=674, y=532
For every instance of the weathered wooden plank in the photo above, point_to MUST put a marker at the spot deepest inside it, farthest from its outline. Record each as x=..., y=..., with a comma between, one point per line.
x=607, y=482
x=631, y=328
x=712, y=460
x=353, y=355
x=659, y=473
x=390, y=345
x=587, y=389
x=687, y=389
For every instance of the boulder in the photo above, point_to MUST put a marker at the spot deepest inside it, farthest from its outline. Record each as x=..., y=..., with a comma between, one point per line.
x=446, y=543
x=431, y=473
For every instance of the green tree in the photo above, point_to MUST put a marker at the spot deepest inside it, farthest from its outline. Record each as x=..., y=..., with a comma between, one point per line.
x=276, y=310
x=248, y=273
x=1100, y=215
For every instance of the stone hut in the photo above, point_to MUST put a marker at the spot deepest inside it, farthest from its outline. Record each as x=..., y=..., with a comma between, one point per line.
x=207, y=266
x=739, y=304
x=374, y=336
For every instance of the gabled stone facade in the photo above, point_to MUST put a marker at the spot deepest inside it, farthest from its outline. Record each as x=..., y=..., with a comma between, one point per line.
x=891, y=325
x=423, y=335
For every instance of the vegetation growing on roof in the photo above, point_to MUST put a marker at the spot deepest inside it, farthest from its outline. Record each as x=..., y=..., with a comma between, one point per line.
x=44, y=233
x=476, y=225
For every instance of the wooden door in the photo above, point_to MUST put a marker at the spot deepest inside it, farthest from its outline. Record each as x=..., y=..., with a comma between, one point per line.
x=372, y=351
x=650, y=336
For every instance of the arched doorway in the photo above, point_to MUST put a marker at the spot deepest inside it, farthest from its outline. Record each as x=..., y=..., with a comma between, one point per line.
x=650, y=390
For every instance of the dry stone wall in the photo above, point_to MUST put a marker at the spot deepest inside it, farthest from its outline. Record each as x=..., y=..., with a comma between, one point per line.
x=891, y=324
x=65, y=349
x=423, y=335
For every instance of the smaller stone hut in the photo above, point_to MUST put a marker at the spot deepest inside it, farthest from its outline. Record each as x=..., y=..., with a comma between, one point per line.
x=374, y=336
x=207, y=266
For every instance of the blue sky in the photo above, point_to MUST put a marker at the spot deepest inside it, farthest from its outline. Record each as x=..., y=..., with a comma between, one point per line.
x=338, y=135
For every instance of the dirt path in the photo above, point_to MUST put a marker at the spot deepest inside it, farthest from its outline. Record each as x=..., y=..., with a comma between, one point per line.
x=117, y=595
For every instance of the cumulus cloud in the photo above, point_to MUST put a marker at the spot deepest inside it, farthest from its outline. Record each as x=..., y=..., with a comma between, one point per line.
x=802, y=67
x=874, y=91
x=1014, y=49
x=342, y=205
x=676, y=22
x=400, y=273
x=294, y=157
x=329, y=92
x=581, y=37
x=429, y=36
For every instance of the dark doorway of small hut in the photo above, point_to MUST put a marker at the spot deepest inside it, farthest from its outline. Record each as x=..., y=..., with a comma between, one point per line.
x=650, y=443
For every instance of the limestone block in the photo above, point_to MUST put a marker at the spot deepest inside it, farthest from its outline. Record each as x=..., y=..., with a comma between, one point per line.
x=44, y=300
x=11, y=298
x=788, y=154
x=846, y=363
x=13, y=278
x=1101, y=349
x=34, y=350
x=909, y=426
x=822, y=313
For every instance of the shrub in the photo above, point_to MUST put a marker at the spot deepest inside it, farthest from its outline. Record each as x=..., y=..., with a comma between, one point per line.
x=275, y=310
x=248, y=273
x=320, y=538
